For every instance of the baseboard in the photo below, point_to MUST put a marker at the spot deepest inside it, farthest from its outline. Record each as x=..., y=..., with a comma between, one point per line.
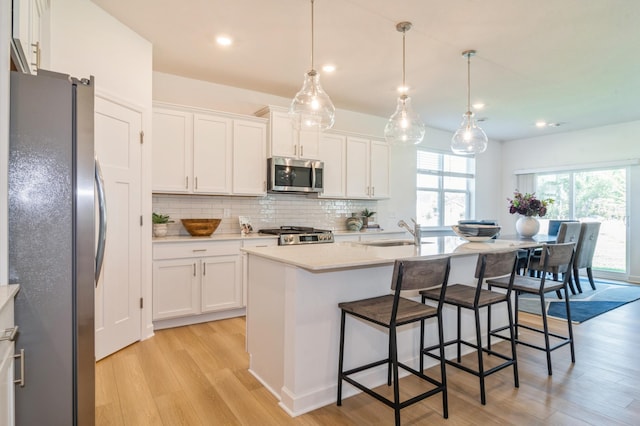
x=196, y=319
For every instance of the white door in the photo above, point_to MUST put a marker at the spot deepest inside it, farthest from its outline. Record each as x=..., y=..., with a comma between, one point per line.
x=117, y=146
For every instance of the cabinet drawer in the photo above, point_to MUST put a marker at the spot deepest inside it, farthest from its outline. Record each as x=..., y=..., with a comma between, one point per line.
x=262, y=242
x=195, y=249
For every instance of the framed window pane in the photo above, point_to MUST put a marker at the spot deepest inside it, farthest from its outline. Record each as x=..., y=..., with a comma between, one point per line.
x=427, y=208
x=428, y=181
x=455, y=207
x=455, y=183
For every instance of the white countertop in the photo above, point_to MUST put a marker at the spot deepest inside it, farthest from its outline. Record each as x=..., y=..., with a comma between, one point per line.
x=345, y=255
x=7, y=292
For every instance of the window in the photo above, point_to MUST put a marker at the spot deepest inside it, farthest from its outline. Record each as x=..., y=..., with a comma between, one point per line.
x=444, y=184
x=599, y=194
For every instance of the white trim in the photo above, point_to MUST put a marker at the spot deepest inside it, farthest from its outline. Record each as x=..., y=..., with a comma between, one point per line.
x=573, y=167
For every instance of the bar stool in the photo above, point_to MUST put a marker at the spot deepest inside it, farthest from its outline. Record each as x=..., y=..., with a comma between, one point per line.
x=554, y=257
x=489, y=265
x=392, y=311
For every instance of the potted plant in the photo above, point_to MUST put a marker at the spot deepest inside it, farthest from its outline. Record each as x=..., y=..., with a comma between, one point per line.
x=528, y=206
x=160, y=222
x=366, y=214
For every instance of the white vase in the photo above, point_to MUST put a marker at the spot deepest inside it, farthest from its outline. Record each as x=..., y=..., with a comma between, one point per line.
x=159, y=229
x=527, y=226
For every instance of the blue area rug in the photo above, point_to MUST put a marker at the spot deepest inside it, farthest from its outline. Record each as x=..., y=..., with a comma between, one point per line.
x=590, y=303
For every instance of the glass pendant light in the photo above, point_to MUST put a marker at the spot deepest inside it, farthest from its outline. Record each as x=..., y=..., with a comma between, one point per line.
x=404, y=126
x=311, y=108
x=469, y=138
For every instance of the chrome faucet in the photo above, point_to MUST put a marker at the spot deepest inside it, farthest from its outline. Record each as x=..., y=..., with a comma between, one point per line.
x=416, y=231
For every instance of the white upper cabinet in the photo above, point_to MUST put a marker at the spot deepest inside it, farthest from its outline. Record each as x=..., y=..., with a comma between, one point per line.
x=249, y=158
x=379, y=169
x=172, y=144
x=212, y=153
x=28, y=23
x=200, y=152
x=285, y=140
x=333, y=153
x=367, y=168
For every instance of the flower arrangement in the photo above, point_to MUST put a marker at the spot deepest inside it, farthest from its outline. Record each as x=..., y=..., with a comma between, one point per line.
x=528, y=204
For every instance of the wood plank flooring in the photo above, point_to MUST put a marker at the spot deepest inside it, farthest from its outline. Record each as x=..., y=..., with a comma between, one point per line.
x=197, y=375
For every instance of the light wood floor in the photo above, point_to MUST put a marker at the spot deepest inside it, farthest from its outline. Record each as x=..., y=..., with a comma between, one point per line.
x=197, y=375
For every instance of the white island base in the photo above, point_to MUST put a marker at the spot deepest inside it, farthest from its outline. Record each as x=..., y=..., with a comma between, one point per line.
x=293, y=322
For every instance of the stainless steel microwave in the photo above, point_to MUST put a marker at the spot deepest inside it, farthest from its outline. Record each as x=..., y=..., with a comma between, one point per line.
x=293, y=175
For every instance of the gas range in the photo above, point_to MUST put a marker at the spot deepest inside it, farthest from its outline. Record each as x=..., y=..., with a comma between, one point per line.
x=291, y=235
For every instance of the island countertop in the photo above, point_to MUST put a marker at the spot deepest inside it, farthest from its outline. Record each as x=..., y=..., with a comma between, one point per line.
x=346, y=255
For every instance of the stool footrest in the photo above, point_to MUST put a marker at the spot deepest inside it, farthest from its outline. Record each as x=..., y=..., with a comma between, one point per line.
x=509, y=361
x=439, y=387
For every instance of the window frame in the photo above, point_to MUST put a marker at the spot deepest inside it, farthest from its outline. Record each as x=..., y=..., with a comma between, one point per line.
x=441, y=192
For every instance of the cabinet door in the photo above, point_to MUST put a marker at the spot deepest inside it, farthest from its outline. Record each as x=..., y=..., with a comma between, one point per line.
x=333, y=152
x=379, y=169
x=221, y=283
x=282, y=140
x=175, y=288
x=249, y=158
x=308, y=144
x=212, y=145
x=357, y=167
x=172, y=141
x=27, y=26
x=6, y=385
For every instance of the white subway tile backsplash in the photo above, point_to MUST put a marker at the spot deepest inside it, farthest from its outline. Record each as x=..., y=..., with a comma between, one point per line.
x=271, y=211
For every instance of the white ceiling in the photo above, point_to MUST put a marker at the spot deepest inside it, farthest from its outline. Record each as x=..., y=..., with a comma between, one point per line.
x=576, y=62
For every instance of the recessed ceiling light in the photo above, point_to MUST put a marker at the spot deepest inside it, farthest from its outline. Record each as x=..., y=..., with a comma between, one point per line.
x=224, y=40
x=541, y=124
x=403, y=89
x=328, y=68
x=478, y=105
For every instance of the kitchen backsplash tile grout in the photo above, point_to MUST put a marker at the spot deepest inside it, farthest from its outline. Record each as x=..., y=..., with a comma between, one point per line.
x=271, y=211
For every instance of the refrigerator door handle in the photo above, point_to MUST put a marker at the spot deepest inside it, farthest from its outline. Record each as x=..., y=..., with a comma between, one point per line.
x=102, y=224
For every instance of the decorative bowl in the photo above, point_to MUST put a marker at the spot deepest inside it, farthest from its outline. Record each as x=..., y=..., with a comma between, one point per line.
x=476, y=232
x=200, y=227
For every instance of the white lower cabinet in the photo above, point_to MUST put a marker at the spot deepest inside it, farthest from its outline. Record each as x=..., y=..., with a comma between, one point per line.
x=176, y=288
x=194, y=278
x=7, y=350
x=221, y=286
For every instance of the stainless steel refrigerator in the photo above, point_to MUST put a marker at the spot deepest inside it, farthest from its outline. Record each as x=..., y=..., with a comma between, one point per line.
x=52, y=246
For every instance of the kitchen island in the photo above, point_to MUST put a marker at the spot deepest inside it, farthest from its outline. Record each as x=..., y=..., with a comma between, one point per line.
x=293, y=320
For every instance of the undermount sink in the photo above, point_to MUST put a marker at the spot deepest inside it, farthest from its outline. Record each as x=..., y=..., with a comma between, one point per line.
x=389, y=243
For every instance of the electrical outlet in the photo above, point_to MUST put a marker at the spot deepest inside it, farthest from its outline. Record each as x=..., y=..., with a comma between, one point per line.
x=226, y=213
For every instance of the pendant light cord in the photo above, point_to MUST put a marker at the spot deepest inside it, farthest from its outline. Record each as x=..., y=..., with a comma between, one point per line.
x=312, y=31
x=404, y=86
x=468, y=82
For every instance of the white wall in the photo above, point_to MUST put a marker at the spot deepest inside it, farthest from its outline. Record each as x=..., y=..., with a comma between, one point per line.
x=592, y=146
x=85, y=40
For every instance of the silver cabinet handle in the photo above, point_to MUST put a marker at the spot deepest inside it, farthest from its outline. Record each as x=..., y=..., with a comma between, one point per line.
x=36, y=50
x=295, y=150
x=204, y=268
x=20, y=356
x=197, y=250
x=186, y=182
x=373, y=191
x=194, y=269
x=196, y=182
x=102, y=224
x=301, y=151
